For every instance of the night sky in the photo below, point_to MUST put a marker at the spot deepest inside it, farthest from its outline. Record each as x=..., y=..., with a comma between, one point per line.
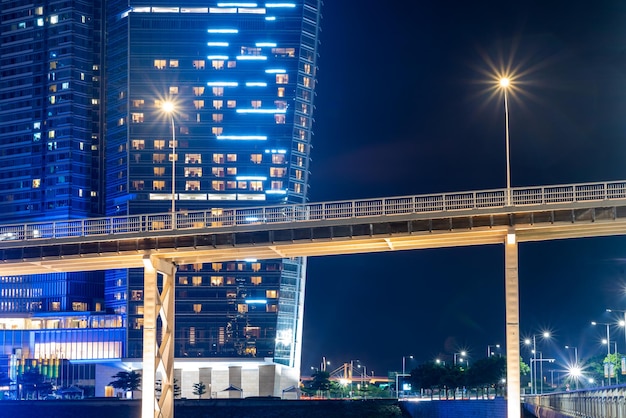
x=404, y=107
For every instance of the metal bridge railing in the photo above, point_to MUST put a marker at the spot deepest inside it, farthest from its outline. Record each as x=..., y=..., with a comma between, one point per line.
x=445, y=202
x=605, y=402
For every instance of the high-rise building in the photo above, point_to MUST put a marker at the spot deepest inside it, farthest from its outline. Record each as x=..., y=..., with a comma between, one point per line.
x=85, y=131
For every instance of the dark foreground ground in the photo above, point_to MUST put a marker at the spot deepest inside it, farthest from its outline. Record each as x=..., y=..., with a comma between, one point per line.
x=235, y=408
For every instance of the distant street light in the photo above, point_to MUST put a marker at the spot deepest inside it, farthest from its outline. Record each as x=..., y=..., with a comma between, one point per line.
x=575, y=370
x=491, y=353
x=505, y=83
x=168, y=108
x=461, y=354
x=533, y=376
x=403, y=374
x=608, y=342
x=622, y=323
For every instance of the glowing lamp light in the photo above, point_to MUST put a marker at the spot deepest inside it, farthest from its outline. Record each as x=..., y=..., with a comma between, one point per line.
x=505, y=82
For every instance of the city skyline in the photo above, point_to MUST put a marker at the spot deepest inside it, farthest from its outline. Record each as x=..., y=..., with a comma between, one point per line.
x=431, y=127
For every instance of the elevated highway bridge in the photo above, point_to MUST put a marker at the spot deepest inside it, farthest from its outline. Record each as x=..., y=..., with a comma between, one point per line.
x=160, y=242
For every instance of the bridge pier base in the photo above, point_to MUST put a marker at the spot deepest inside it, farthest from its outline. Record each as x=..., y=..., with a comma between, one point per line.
x=511, y=290
x=158, y=358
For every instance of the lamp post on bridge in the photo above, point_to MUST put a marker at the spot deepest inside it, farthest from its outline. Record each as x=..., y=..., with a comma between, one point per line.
x=533, y=371
x=169, y=108
x=622, y=322
x=576, y=368
x=505, y=83
x=608, y=343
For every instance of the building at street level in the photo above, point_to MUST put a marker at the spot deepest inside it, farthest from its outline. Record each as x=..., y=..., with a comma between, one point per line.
x=84, y=132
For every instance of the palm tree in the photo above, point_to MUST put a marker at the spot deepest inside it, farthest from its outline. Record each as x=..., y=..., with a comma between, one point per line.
x=126, y=381
x=199, y=389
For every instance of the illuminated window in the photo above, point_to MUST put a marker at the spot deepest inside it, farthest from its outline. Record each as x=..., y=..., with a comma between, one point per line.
x=192, y=185
x=282, y=79
x=217, y=281
x=218, y=171
x=198, y=64
x=193, y=158
x=198, y=104
x=192, y=335
x=183, y=280
x=216, y=266
x=158, y=185
x=271, y=294
x=303, y=121
x=217, y=117
x=255, y=266
x=232, y=64
x=271, y=308
x=242, y=308
x=218, y=91
x=218, y=104
x=138, y=144
x=256, y=280
x=278, y=158
x=231, y=158
x=137, y=117
x=231, y=294
x=256, y=186
x=158, y=158
x=138, y=103
x=284, y=52
x=277, y=172
x=231, y=171
x=136, y=295
x=197, y=307
x=196, y=281
x=277, y=185
x=159, y=64
x=218, y=158
x=197, y=266
x=298, y=174
x=297, y=188
x=280, y=104
x=279, y=119
x=159, y=144
x=256, y=158
x=173, y=89
x=137, y=185
x=281, y=92
x=242, y=185
x=231, y=184
x=231, y=104
x=36, y=183
x=255, y=104
x=158, y=171
x=173, y=63
x=218, y=185
x=55, y=306
x=307, y=68
x=306, y=81
x=302, y=136
x=198, y=91
x=217, y=64
x=217, y=130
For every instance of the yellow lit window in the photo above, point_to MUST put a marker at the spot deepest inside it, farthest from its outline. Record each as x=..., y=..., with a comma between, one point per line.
x=256, y=266
x=231, y=158
x=158, y=171
x=197, y=307
x=306, y=81
x=138, y=144
x=36, y=183
x=217, y=281
x=217, y=104
x=271, y=294
x=158, y=158
x=277, y=172
x=231, y=104
x=282, y=78
x=137, y=185
x=159, y=144
x=279, y=119
x=217, y=117
x=256, y=158
x=255, y=104
x=183, y=280
x=138, y=103
x=218, y=171
x=159, y=64
x=232, y=64
x=198, y=91
x=192, y=185
x=216, y=266
x=217, y=130
x=137, y=117
x=173, y=89
x=218, y=185
x=158, y=185
x=278, y=158
x=218, y=91
x=218, y=158
x=256, y=280
x=256, y=186
x=231, y=171
x=198, y=104
x=281, y=92
x=196, y=281
x=307, y=68
x=217, y=64
x=297, y=188
x=277, y=185
x=173, y=63
x=198, y=64
x=242, y=308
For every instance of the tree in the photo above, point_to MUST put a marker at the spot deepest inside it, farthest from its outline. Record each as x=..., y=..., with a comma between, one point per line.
x=199, y=389
x=321, y=381
x=126, y=381
x=33, y=382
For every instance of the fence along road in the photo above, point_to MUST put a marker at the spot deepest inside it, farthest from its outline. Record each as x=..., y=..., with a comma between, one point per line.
x=159, y=242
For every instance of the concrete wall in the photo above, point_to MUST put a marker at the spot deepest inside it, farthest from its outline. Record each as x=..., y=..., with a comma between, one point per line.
x=474, y=408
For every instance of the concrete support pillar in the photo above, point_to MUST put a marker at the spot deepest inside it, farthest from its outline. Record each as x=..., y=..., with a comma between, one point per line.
x=511, y=290
x=158, y=358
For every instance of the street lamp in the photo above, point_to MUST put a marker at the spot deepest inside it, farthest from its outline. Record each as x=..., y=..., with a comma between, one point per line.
x=533, y=376
x=505, y=83
x=491, y=353
x=623, y=322
x=404, y=363
x=575, y=369
x=403, y=374
x=461, y=354
x=168, y=108
x=608, y=341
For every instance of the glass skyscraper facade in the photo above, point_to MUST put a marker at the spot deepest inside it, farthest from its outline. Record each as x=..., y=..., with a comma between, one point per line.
x=84, y=132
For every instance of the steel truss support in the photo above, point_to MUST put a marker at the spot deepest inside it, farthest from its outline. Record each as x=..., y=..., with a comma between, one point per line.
x=511, y=290
x=158, y=353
